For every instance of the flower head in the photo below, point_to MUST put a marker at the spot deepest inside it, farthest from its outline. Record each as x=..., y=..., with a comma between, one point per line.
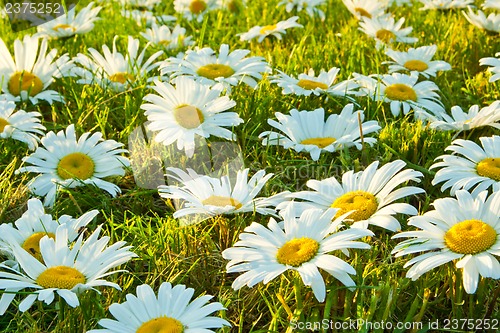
x=169, y=39
x=309, y=6
x=493, y=4
x=20, y=125
x=462, y=121
x=445, y=4
x=416, y=60
x=194, y=9
x=365, y=8
x=385, y=30
x=495, y=66
x=480, y=20
x=276, y=30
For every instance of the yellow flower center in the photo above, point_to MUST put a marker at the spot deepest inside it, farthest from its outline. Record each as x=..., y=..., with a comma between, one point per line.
x=363, y=203
x=213, y=71
x=311, y=85
x=234, y=6
x=470, y=237
x=267, y=29
x=164, y=42
x=489, y=167
x=400, y=92
x=161, y=325
x=61, y=277
x=362, y=12
x=3, y=123
x=385, y=35
x=197, y=6
x=75, y=165
x=63, y=26
x=188, y=116
x=297, y=251
x=416, y=65
x=320, y=142
x=25, y=81
x=216, y=200
x=32, y=244
x=121, y=77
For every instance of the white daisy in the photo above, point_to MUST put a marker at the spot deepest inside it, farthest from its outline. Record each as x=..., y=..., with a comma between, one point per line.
x=461, y=121
x=205, y=196
x=478, y=168
x=169, y=39
x=228, y=68
x=465, y=230
x=307, y=131
x=20, y=125
x=309, y=6
x=495, y=66
x=146, y=17
x=276, y=30
x=189, y=109
x=31, y=71
x=385, y=30
x=365, y=8
x=302, y=245
x=171, y=311
x=480, y=20
x=113, y=69
x=370, y=194
x=64, y=161
x=194, y=9
x=66, y=269
x=493, y=4
x=416, y=60
x=70, y=24
x=445, y=4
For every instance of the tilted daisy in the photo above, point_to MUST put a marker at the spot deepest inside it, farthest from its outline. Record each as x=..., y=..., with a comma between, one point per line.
x=276, y=30
x=170, y=39
x=307, y=131
x=465, y=230
x=228, y=68
x=64, y=161
x=365, y=8
x=28, y=74
x=194, y=9
x=493, y=4
x=171, y=311
x=20, y=125
x=146, y=17
x=495, y=66
x=370, y=194
x=309, y=6
x=478, y=168
x=416, y=60
x=189, y=109
x=65, y=269
x=386, y=31
x=480, y=20
x=112, y=69
x=445, y=4
x=461, y=121
x=70, y=24
x=303, y=244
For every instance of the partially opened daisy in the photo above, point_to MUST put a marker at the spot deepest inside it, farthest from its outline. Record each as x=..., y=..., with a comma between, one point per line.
x=172, y=311
x=276, y=30
x=64, y=161
x=463, y=121
x=494, y=68
x=303, y=244
x=370, y=194
x=365, y=8
x=416, y=60
x=480, y=20
x=194, y=9
x=20, y=125
x=386, y=31
x=445, y=4
x=493, y=4
x=188, y=110
x=65, y=269
x=307, y=131
x=28, y=74
x=170, y=39
x=465, y=230
x=470, y=166
x=309, y=6
x=227, y=68
x=115, y=70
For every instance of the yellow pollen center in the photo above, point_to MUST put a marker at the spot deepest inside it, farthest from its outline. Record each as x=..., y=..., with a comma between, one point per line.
x=63, y=26
x=297, y=251
x=311, y=85
x=3, y=123
x=121, y=77
x=32, y=244
x=75, y=165
x=320, y=142
x=25, y=81
x=489, y=167
x=164, y=42
x=213, y=71
x=362, y=12
x=416, y=65
x=363, y=203
x=197, y=6
x=385, y=35
x=216, y=200
x=61, y=277
x=267, y=29
x=470, y=237
x=161, y=325
x=188, y=116
x=400, y=92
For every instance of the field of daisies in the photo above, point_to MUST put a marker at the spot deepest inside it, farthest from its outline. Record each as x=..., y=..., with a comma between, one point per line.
x=251, y=166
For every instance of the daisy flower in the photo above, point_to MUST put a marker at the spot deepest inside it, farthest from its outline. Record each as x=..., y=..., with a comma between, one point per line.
x=495, y=66
x=31, y=71
x=309, y=6
x=146, y=17
x=445, y=4
x=461, y=121
x=171, y=311
x=307, y=84
x=478, y=168
x=169, y=39
x=113, y=69
x=70, y=24
x=228, y=68
x=386, y=31
x=180, y=113
x=206, y=196
x=416, y=60
x=65, y=161
x=365, y=8
x=194, y=9
x=307, y=131
x=20, y=125
x=65, y=269
x=465, y=230
x=276, y=30
x=490, y=23
x=370, y=194
x=303, y=244
x=493, y=4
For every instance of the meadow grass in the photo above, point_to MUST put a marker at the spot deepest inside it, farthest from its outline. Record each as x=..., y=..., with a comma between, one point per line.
x=191, y=255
